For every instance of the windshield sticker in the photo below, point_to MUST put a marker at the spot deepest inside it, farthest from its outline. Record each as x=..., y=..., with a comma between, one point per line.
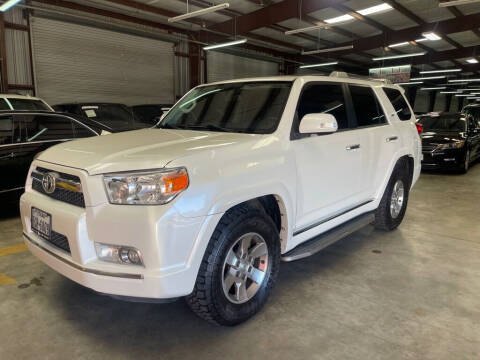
x=90, y=113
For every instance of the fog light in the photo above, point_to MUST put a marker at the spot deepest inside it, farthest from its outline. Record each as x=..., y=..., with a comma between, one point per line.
x=118, y=254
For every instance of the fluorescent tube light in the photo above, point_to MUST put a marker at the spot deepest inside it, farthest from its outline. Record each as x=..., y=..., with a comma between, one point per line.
x=410, y=83
x=375, y=9
x=7, y=5
x=199, y=12
x=306, y=29
x=462, y=95
x=456, y=2
x=472, y=61
x=440, y=71
x=421, y=40
x=327, y=50
x=398, y=56
x=434, y=88
x=230, y=43
x=461, y=80
x=431, y=36
x=429, y=77
x=449, y=92
x=473, y=97
x=399, y=44
x=318, y=65
x=338, y=19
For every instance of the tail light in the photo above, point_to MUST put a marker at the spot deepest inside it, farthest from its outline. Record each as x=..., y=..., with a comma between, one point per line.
x=419, y=127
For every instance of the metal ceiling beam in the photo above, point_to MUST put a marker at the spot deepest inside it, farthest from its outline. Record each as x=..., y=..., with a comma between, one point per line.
x=464, y=23
x=272, y=14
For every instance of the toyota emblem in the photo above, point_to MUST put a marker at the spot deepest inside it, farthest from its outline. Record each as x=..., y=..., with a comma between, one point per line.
x=49, y=182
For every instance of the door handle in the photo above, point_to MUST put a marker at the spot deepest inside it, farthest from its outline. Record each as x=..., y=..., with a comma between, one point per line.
x=353, y=147
x=392, y=138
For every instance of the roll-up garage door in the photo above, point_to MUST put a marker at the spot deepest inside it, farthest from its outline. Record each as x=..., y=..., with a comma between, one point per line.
x=77, y=63
x=221, y=66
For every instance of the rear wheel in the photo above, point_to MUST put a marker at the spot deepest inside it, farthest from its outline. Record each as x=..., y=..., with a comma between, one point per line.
x=393, y=205
x=239, y=268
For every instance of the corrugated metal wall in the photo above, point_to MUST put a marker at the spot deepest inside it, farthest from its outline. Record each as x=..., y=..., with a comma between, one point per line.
x=222, y=66
x=78, y=63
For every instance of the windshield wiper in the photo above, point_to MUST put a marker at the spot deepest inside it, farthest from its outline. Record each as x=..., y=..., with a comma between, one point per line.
x=208, y=127
x=170, y=126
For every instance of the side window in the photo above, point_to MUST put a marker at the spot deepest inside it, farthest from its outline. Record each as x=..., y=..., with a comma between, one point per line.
x=399, y=103
x=366, y=106
x=323, y=98
x=49, y=128
x=4, y=105
x=6, y=130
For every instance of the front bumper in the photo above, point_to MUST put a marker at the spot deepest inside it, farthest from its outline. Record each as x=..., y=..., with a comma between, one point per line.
x=447, y=159
x=172, y=245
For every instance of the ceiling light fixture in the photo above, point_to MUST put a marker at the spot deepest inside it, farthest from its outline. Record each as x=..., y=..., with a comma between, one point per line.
x=327, y=50
x=199, y=12
x=472, y=61
x=306, y=29
x=399, y=44
x=440, y=71
x=434, y=88
x=431, y=36
x=339, y=19
x=429, y=77
x=465, y=80
x=449, y=92
x=410, y=83
x=421, y=40
x=230, y=43
x=318, y=65
x=398, y=56
x=375, y=9
x=456, y=2
x=462, y=95
x=7, y=5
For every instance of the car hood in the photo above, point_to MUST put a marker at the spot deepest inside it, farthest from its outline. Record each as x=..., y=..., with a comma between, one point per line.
x=441, y=137
x=136, y=150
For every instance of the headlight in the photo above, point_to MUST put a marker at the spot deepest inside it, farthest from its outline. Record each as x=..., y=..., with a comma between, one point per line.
x=145, y=188
x=451, y=145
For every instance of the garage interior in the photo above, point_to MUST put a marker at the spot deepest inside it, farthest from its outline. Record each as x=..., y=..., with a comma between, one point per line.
x=409, y=294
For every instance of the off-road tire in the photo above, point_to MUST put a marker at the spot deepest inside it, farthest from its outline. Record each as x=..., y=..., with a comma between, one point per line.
x=383, y=217
x=208, y=299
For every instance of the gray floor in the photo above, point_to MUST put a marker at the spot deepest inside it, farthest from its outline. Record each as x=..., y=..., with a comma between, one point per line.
x=413, y=293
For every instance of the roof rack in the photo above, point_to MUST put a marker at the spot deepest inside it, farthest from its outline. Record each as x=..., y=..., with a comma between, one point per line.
x=342, y=74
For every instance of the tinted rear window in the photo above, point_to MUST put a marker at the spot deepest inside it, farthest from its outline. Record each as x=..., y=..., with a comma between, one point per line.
x=399, y=103
x=366, y=106
x=28, y=104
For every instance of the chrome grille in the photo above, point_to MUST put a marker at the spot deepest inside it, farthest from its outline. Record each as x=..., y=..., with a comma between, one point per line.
x=70, y=193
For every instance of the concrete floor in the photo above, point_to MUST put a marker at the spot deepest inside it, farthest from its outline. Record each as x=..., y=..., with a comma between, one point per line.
x=413, y=293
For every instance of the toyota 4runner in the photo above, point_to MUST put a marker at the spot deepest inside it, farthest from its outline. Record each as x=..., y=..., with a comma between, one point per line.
x=236, y=177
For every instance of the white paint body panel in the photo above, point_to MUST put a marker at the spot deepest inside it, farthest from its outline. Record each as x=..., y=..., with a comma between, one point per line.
x=312, y=178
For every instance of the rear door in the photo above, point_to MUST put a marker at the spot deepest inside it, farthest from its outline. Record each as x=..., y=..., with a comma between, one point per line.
x=380, y=138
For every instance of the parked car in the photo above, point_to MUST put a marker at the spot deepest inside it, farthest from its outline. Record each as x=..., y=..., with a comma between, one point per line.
x=474, y=111
x=117, y=117
x=450, y=141
x=151, y=113
x=9, y=102
x=238, y=175
x=23, y=134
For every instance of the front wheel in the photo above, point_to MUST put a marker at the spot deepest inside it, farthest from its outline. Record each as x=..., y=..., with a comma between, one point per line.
x=239, y=268
x=466, y=163
x=393, y=205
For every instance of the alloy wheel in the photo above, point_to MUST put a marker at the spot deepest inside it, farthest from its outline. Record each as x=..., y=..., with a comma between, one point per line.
x=397, y=199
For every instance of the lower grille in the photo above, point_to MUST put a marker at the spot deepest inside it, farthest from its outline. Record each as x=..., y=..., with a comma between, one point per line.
x=71, y=197
x=60, y=241
x=428, y=148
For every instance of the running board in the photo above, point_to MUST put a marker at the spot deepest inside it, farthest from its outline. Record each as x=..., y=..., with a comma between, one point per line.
x=321, y=241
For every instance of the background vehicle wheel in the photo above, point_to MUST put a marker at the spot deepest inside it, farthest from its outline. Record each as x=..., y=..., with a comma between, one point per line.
x=393, y=205
x=239, y=268
x=466, y=163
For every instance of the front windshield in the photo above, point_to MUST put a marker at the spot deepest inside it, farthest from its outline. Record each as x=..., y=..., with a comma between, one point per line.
x=117, y=116
x=453, y=122
x=246, y=107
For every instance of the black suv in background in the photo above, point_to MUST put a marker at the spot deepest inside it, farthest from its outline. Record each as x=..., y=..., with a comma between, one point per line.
x=449, y=141
x=151, y=113
x=116, y=117
x=23, y=134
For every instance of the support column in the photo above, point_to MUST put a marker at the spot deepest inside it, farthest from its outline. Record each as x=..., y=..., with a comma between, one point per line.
x=431, y=102
x=3, y=56
x=194, y=65
x=448, y=102
x=412, y=94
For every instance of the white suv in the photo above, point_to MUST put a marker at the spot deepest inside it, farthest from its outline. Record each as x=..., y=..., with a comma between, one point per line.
x=237, y=176
x=10, y=102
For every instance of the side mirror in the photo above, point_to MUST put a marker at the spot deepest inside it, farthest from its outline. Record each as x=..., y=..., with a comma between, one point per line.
x=318, y=124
